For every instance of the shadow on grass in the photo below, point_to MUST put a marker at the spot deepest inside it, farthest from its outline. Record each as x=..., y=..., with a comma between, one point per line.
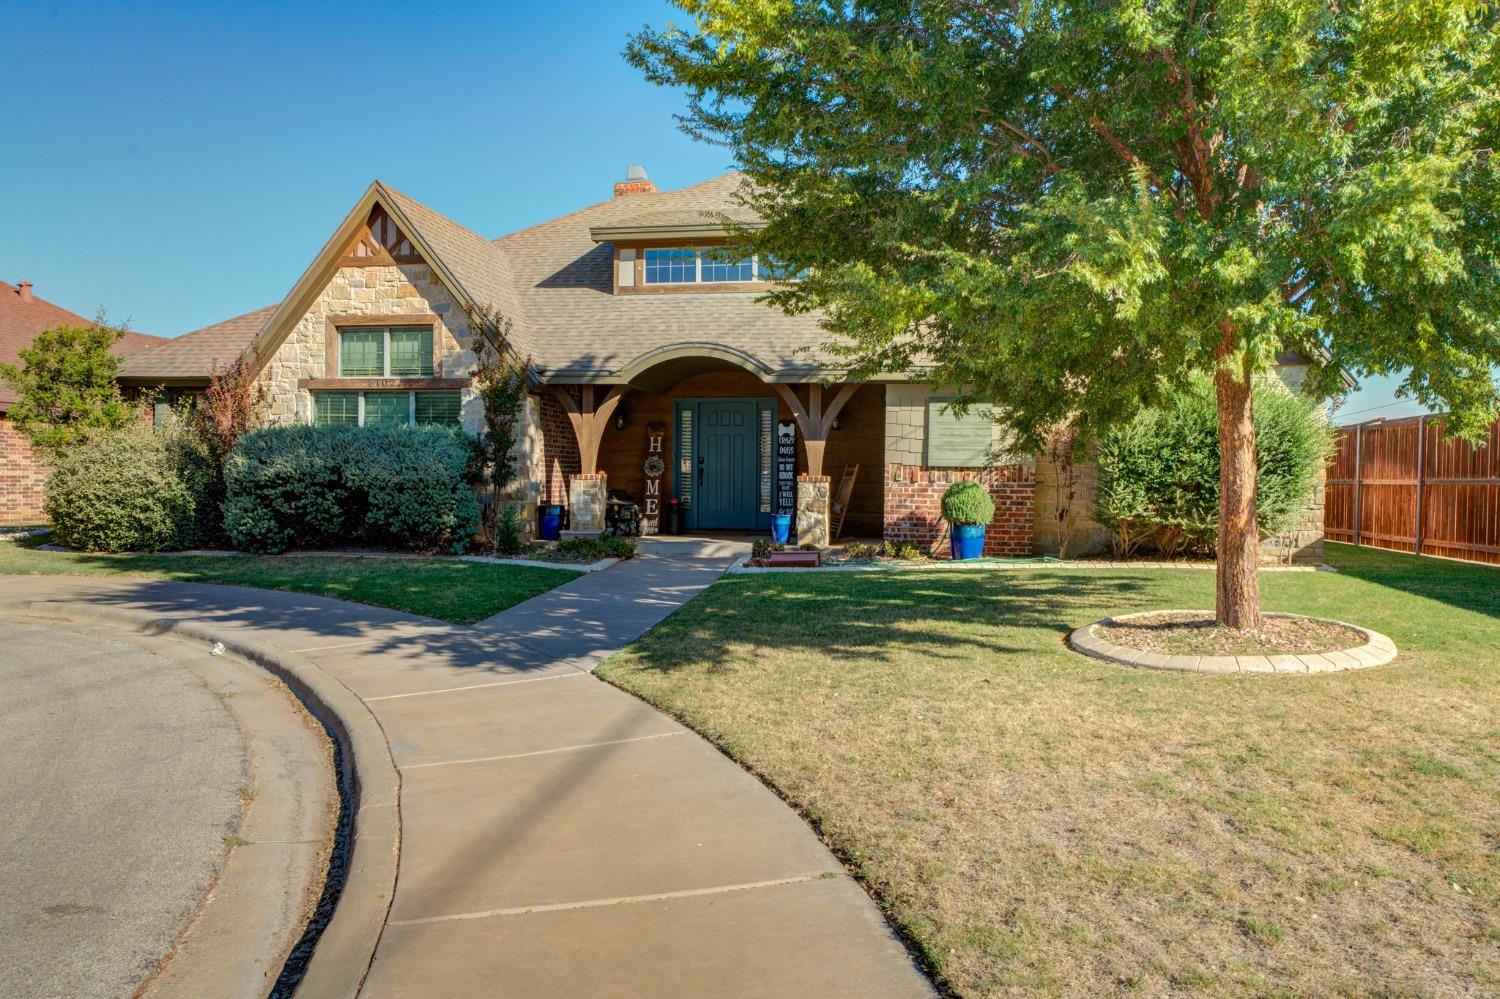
x=881, y=616
x=1469, y=587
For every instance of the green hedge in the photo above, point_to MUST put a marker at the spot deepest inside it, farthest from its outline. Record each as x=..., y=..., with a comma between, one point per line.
x=1159, y=474
x=318, y=487
x=136, y=489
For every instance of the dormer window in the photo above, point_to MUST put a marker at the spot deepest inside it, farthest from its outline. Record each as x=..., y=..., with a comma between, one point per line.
x=692, y=265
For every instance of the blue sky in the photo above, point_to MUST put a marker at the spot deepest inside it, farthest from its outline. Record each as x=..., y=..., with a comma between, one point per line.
x=181, y=164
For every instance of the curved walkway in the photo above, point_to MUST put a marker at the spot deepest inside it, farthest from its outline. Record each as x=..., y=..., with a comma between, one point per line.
x=558, y=836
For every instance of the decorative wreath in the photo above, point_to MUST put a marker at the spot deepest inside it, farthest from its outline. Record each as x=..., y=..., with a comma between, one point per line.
x=655, y=466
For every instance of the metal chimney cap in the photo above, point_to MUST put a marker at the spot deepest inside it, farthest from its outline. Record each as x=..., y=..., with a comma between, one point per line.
x=636, y=172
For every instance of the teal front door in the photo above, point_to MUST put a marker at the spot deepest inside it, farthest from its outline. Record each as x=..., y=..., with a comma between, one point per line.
x=724, y=465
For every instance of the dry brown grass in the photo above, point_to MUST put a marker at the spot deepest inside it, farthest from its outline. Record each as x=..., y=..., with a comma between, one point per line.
x=1041, y=823
x=1196, y=633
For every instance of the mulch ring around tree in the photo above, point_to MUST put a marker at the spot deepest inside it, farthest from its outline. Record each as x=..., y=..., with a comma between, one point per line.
x=1191, y=640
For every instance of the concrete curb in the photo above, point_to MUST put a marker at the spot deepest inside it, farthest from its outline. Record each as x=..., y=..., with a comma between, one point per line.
x=346, y=947
x=1378, y=650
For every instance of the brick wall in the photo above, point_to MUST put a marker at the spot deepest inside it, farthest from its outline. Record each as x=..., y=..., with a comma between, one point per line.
x=559, y=452
x=22, y=478
x=914, y=506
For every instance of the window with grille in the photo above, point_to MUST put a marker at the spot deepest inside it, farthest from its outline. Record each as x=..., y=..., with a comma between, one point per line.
x=385, y=352
x=388, y=409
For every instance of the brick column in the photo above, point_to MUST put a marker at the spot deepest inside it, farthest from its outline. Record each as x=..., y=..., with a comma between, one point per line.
x=812, y=510
x=586, y=495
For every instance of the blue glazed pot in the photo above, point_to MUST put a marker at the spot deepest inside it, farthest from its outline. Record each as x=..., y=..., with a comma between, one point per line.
x=781, y=527
x=967, y=540
x=549, y=524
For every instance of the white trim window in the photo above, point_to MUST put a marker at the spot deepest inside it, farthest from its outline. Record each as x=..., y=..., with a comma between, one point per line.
x=694, y=265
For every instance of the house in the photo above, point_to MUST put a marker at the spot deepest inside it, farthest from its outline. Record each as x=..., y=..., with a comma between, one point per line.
x=23, y=314
x=657, y=370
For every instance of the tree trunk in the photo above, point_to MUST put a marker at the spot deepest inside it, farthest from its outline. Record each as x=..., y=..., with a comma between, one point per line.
x=1237, y=603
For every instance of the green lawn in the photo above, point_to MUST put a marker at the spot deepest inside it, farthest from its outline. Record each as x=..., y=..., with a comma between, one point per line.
x=1041, y=823
x=447, y=589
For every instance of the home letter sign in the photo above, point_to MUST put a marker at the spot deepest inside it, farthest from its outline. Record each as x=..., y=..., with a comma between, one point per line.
x=656, y=464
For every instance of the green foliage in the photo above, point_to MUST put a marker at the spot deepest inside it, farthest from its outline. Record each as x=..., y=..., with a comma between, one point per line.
x=66, y=385
x=762, y=547
x=501, y=379
x=1159, y=473
x=860, y=551
x=312, y=487
x=594, y=549
x=906, y=551
x=510, y=530
x=1069, y=207
x=136, y=489
x=968, y=502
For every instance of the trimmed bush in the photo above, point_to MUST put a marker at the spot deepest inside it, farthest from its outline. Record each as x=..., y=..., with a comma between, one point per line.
x=317, y=487
x=968, y=502
x=1159, y=474
x=136, y=489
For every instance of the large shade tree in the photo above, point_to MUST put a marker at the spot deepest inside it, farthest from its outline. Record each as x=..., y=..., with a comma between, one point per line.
x=1069, y=207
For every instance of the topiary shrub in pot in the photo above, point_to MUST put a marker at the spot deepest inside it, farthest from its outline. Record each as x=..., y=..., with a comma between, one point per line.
x=967, y=507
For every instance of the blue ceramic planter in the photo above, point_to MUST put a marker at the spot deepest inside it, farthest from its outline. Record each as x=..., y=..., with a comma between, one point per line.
x=967, y=540
x=781, y=527
x=550, y=522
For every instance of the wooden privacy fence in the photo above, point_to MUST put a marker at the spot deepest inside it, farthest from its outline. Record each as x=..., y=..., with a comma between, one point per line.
x=1397, y=484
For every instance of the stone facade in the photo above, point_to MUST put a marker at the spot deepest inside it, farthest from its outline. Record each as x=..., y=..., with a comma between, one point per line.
x=389, y=290
x=812, y=510
x=586, y=502
x=914, y=507
x=23, y=478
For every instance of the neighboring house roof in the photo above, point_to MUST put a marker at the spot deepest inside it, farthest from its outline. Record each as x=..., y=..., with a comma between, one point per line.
x=193, y=356
x=22, y=320
x=578, y=328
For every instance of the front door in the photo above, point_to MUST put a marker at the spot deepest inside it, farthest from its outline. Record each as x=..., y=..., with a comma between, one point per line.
x=724, y=465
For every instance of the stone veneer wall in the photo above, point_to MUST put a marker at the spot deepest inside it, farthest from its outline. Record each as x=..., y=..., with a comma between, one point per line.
x=390, y=290
x=914, y=506
x=23, y=478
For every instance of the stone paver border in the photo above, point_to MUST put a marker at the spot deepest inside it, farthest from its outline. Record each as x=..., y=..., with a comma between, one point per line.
x=1377, y=651
x=347, y=944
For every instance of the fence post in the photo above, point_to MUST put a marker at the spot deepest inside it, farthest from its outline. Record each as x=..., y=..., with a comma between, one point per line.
x=1359, y=473
x=1421, y=474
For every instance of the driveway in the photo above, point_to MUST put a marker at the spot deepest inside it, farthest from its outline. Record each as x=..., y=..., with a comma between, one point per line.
x=119, y=775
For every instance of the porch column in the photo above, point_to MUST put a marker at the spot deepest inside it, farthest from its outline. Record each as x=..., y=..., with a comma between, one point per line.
x=586, y=502
x=814, y=421
x=589, y=417
x=812, y=510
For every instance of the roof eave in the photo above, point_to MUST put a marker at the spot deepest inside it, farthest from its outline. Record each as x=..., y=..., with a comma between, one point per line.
x=631, y=233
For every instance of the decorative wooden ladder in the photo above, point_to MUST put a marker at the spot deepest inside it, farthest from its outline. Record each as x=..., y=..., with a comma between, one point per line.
x=841, y=500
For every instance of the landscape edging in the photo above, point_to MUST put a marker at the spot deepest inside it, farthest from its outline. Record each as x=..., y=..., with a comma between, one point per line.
x=1378, y=650
x=347, y=944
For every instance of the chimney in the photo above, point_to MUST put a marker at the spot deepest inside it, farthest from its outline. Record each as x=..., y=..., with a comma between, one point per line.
x=23, y=288
x=635, y=182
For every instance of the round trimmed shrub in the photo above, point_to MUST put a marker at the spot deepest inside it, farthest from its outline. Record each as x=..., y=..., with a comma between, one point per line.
x=1159, y=473
x=968, y=502
x=138, y=489
x=320, y=487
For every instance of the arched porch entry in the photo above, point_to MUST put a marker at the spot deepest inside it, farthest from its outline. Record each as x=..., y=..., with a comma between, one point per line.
x=711, y=415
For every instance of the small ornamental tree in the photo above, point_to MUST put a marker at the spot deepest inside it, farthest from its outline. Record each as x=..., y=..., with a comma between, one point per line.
x=66, y=385
x=231, y=406
x=501, y=378
x=1072, y=207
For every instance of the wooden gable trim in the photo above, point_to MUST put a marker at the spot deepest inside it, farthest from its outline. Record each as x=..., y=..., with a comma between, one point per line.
x=316, y=277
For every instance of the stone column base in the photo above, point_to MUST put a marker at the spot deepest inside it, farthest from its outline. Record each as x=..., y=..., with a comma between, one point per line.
x=586, y=495
x=812, y=510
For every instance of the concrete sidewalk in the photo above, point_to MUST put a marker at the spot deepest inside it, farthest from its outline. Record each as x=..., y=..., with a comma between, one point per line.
x=559, y=837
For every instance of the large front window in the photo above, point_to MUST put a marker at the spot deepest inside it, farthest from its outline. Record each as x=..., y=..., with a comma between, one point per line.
x=689, y=265
x=385, y=352
x=388, y=409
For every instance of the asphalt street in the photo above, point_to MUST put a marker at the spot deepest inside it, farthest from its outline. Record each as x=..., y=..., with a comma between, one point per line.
x=120, y=775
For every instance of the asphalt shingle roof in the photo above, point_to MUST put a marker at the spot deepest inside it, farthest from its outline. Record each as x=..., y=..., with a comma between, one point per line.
x=576, y=324
x=20, y=322
x=194, y=355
